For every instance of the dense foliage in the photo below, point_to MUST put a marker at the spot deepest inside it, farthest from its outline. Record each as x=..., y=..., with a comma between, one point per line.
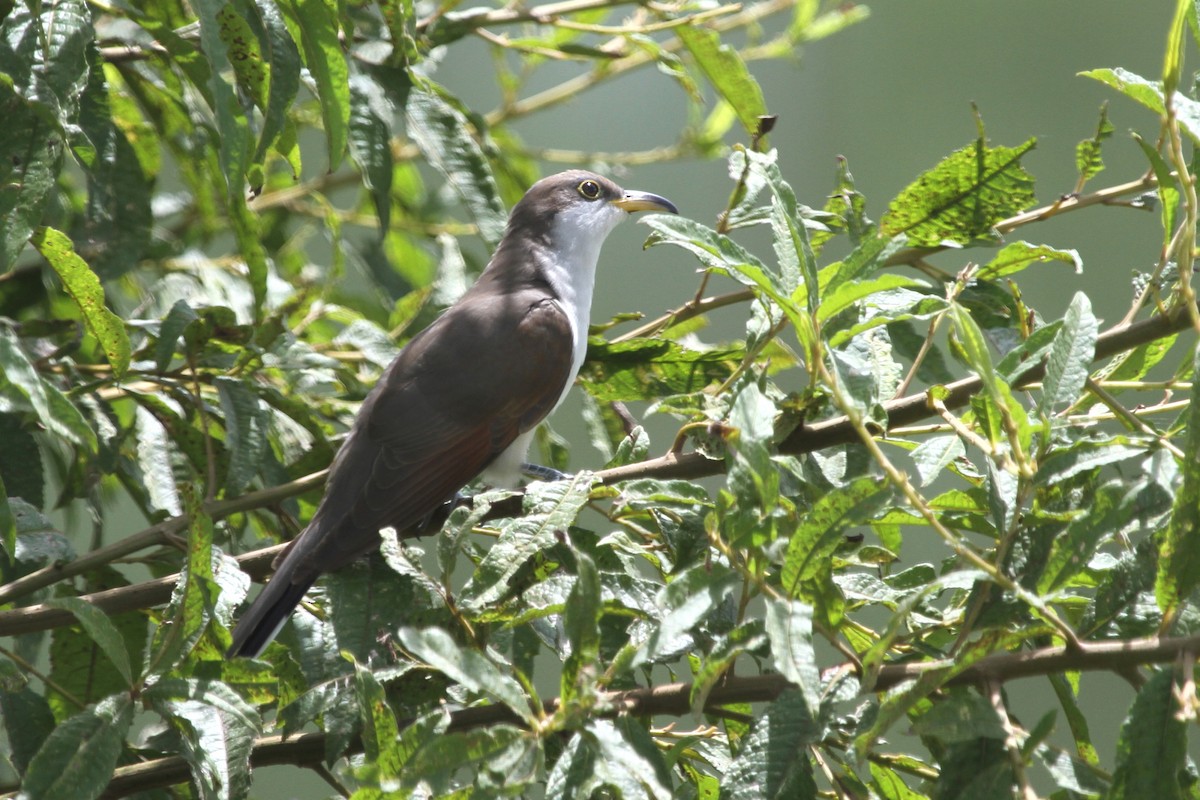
x=220, y=221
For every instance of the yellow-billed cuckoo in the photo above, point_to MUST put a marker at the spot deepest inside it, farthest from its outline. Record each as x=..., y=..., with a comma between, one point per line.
x=464, y=396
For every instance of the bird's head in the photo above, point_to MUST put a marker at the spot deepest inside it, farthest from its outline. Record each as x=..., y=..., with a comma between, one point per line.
x=578, y=209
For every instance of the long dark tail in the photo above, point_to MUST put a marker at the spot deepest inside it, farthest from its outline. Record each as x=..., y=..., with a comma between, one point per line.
x=267, y=614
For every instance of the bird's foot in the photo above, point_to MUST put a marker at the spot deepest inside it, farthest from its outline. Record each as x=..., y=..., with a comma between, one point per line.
x=541, y=473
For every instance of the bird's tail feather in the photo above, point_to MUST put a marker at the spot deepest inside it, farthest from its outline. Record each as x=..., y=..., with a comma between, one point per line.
x=266, y=615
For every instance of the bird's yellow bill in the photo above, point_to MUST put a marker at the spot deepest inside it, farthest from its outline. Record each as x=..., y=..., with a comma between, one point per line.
x=644, y=201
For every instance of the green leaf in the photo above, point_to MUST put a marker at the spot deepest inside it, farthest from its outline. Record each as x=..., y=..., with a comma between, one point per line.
x=78, y=757
x=246, y=424
x=1179, y=545
x=118, y=221
x=21, y=388
x=31, y=156
x=681, y=606
x=1103, y=518
x=1016, y=256
x=1152, y=748
x=370, y=142
x=379, y=729
x=726, y=71
x=28, y=720
x=1150, y=94
x=195, y=595
x=962, y=198
x=934, y=455
x=822, y=528
x=772, y=762
x=629, y=760
x=789, y=626
x=100, y=629
x=549, y=509
x=870, y=255
x=1071, y=354
x=283, y=58
x=465, y=666
x=498, y=756
x=650, y=369
x=84, y=287
x=1168, y=188
x=1064, y=463
x=975, y=349
x=232, y=126
x=963, y=716
x=442, y=133
x=318, y=23
x=217, y=730
x=581, y=620
x=847, y=294
x=1088, y=159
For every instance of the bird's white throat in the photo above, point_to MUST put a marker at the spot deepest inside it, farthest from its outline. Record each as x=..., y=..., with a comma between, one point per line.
x=570, y=267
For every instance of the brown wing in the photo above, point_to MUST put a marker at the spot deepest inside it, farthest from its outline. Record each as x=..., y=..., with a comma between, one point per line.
x=456, y=397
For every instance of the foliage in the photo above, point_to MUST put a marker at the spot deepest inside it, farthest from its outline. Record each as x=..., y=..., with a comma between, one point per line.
x=188, y=319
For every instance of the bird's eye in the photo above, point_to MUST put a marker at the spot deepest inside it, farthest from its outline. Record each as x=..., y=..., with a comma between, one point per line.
x=589, y=189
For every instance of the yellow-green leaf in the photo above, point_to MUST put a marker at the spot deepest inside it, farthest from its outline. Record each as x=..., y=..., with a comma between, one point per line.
x=84, y=287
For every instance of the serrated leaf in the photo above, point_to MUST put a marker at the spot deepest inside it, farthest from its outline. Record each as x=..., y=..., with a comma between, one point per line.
x=772, y=762
x=1089, y=161
x=963, y=197
x=549, y=509
x=101, y=630
x=217, y=730
x=1064, y=463
x=281, y=53
x=726, y=71
x=84, y=287
x=1069, y=362
x=502, y=750
x=932, y=456
x=246, y=424
x=1168, y=188
x=1150, y=94
x=465, y=666
x=1179, y=545
x=822, y=527
x=681, y=605
x=19, y=379
x=1016, y=256
x=28, y=721
x=650, y=369
x=370, y=142
x=581, y=619
x=1152, y=748
x=378, y=724
x=318, y=23
x=441, y=131
x=231, y=120
x=78, y=757
x=629, y=761
x=789, y=627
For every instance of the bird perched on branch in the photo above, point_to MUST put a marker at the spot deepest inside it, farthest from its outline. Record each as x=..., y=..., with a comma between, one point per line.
x=462, y=399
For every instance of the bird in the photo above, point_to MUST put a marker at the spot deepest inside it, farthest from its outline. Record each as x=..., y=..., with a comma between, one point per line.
x=462, y=398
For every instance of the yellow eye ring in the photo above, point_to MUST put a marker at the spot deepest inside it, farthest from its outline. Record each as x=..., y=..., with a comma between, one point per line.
x=589, y=189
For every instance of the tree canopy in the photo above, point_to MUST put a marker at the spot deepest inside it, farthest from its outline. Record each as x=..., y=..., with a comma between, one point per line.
x=221, y=219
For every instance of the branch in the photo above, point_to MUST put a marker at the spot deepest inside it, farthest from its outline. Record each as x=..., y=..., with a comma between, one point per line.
x=807, y=438
x=674, y=699
x=159, y=533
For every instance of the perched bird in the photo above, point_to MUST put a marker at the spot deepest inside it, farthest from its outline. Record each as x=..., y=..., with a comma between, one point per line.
x=464, y=395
